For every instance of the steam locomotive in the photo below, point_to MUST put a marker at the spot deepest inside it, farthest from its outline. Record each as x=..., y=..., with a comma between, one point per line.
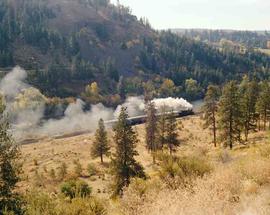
x=142, y=119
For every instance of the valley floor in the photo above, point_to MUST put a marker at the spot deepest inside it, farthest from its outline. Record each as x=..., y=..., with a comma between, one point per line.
x=238, y=183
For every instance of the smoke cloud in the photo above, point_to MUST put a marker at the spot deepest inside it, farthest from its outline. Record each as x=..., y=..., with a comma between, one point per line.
x=175, y=104
x=75, y=119
x=135, y=106
x=25, y=106
x=13, y=83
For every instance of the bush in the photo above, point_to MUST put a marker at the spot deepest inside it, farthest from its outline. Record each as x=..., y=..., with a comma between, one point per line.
x=92, y=170
x=74, y=189
x=194, y=166
x=265, y=151
x=176, y=171
x=77, y=168
x=39, y=203
x=224, y=156
x=62, y=171
x=83, y=206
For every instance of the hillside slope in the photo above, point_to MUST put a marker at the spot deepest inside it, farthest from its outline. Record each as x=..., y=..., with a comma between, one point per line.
x=67, y=44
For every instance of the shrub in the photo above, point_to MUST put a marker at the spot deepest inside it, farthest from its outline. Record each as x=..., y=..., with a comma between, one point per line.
x=92, y=170
x=52, y=174
x=193, y=166
x=62, y=171
x=39, y=203
x=176, y=171
x=74, y=189
x=265, y=151
x=82, y=206
x=78, y=168
x=224, y=156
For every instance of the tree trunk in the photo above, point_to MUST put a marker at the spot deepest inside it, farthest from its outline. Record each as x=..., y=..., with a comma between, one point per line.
x=246, y=131
x=214, y=129
x=101, y=158
x=264, y=120
x=154, y=158
x=230, y=134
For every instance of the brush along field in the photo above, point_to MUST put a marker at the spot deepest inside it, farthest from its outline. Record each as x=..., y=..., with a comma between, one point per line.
x=218, y=181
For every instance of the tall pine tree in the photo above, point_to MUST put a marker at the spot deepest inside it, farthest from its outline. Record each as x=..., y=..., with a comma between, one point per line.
x=161, y=127
x=230, y=116
x=100, y=147
x=123, y=162
x=151, y=130
x=210, y=110
x=248, y=96
x=263, y=103
x=171, y=133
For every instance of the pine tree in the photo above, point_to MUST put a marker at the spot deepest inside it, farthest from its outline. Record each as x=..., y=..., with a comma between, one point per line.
x=248, y=97
x=263, y=103
x=9, y=168
x=171, y=133
x=124, y=165
x=210, y=110
x=161, y=126
x=151, y=130
x=230, y=116
x=100, y=146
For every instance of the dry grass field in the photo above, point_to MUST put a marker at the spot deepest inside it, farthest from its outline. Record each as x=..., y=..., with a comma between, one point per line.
x=237, y=184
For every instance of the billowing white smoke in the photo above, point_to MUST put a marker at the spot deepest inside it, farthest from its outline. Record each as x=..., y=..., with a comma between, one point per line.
x=135, y=106
x=26, y=105
x=175, y=104
x=76, y=119
x=13, y=82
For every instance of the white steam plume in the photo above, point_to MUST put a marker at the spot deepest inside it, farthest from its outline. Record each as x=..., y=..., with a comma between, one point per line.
x=175, y=104
x=135, y=106
x=26, y=106
x=75, y=119
x=13, y=82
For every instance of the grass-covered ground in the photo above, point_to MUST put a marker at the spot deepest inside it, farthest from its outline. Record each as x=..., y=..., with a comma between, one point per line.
x=200, y=179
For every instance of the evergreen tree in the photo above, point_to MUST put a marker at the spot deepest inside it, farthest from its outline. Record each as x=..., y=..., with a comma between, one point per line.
x=9, y=168
x=263, y=103
x=171, y=133
x=230, y=116
x=161, y=126
x=248, y=96
x=210, y=110
x=123, y=162
x=151, y=130
x=100, y=146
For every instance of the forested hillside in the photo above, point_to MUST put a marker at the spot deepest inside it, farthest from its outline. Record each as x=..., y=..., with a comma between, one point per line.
x=100, y=51
x=251, y=39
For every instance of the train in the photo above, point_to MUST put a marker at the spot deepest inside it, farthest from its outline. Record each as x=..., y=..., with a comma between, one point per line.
x=142, y=119
x=137, y=120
